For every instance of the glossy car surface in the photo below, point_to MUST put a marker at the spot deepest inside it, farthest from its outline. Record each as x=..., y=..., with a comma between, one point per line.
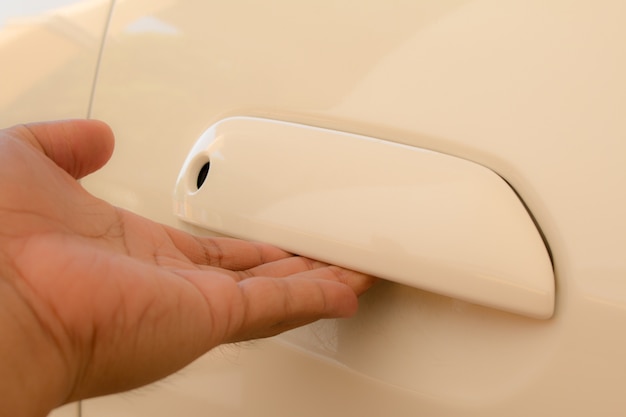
x=532, y=90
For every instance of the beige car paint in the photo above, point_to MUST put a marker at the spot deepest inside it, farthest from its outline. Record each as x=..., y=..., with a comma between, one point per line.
x=533, y=90
x=49, y=60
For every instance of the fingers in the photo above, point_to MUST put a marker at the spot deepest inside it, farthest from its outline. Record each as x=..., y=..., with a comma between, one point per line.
x=227, y=253
x=282, y=268
x=301, y=267
x=277, y=305
x=243, y=259
x=252, y=259
x=80, y=147
x=295, y=292
x=310, y=269
x=273, y=306
x=356, y=281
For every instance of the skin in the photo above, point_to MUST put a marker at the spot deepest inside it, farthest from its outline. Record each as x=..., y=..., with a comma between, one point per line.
x=97, y=300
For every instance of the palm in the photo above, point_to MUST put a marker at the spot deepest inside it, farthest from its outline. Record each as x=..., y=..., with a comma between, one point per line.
x=131, y=299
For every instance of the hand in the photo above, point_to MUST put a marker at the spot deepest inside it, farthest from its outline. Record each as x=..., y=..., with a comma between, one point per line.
x=97, y=300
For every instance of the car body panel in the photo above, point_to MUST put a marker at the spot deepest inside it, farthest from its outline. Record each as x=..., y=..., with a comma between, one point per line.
x=50, y=52
x=531, y=90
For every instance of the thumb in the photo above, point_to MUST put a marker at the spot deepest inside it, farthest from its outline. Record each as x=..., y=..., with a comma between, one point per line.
x=80, y=147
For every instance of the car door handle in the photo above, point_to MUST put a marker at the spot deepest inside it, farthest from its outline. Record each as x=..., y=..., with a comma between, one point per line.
x=408, y=215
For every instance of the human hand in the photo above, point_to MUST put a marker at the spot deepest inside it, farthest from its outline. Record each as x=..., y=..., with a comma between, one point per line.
x=97, y=300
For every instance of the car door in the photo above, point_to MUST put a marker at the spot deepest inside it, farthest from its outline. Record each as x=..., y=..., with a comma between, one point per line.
x=532, y=92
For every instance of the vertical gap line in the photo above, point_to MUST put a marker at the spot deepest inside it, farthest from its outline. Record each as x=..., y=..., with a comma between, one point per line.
x=105, y=35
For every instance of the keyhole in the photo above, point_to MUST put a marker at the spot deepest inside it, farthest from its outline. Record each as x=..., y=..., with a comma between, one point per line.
x=204, y=171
